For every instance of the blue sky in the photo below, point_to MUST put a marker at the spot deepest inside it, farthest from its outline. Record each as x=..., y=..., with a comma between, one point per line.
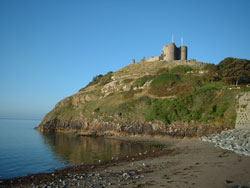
x=49, y=49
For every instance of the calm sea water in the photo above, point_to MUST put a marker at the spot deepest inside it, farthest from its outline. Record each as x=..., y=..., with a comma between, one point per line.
x=24, y=150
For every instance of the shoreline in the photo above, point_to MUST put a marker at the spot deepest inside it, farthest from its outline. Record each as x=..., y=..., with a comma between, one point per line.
x=42, y=178
x=183, y=163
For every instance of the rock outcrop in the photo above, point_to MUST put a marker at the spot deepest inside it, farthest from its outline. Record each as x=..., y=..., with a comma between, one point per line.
x=235, y=140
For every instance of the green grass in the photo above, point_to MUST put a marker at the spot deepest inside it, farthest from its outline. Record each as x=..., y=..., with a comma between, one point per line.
x=208, y=103
x=131, y=93
x=64, y=112
x=165, y=80
x=181, y=69
x=141, y=81
x=127, y=81
x=174, y=85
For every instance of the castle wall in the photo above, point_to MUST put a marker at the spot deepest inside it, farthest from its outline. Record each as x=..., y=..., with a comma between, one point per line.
x=243, y=114
x=152, y=58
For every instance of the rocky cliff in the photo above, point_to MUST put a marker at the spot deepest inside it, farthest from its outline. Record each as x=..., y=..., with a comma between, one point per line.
x=153, y=98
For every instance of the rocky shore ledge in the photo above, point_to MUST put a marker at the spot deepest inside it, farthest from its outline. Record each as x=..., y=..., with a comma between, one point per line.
x=176, y=129
x=182, y=163
x=234, y=140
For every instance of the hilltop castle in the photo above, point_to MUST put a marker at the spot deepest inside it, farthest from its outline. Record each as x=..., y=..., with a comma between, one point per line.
x=169, y=53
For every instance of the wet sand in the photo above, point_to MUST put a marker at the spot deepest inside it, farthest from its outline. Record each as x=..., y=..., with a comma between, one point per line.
x=183, y=163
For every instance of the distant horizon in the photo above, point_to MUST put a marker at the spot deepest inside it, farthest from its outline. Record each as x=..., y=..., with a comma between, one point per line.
x=51, y=49
x=20, y=119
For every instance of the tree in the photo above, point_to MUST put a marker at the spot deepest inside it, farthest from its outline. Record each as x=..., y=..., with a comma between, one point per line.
x=212, y=74
x=234, y=71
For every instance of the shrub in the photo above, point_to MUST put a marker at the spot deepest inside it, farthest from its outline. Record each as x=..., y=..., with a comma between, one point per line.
x=141, y=81
x=202, y=106
x=97, y=110
x=221, y=109
x=106, y=78
x=101, y=79
x=165, y=80
x=180, y=69
x=131, y=105
x=130, y=94
x=95, y=80
x=207, y=87
x=161, y=84
x=168, y=111
x=126, y=81
x=163, y=71
x=233, y=70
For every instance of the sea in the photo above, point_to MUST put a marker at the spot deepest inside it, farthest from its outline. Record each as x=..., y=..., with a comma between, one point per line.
x=25, y=151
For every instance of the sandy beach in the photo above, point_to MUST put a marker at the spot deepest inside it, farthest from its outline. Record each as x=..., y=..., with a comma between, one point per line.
x=183, y=163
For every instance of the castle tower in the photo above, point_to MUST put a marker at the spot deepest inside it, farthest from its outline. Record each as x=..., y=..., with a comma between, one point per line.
x=183, y=50
x=169, y=52
x=133, y=61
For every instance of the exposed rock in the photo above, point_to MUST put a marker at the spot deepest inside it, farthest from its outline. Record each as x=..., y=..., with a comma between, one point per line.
x=110, y=87
x=79, y=99
x=234, y=140
x=126, y=87
x=101, y=128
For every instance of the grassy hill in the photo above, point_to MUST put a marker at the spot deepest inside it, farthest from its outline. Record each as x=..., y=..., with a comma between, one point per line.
x=176, y=98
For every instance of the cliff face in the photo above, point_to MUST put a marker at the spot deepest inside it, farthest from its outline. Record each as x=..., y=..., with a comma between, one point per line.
x=153, y=98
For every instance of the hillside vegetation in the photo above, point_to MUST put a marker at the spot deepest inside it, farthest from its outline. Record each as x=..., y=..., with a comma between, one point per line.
x=166, y=98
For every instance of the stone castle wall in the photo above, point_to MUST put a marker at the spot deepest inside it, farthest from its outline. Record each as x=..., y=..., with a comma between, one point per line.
x=243, y=114
x=154, y=58
x=191, y=62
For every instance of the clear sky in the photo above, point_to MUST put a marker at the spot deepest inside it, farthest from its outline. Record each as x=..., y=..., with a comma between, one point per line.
x=49, y=49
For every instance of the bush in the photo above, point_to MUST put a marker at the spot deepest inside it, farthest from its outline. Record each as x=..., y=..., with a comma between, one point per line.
x=101, y=79
x=234, y=71
x=106, y=78
x=95, y=80
x=130, y=94
x=163, y=71
x=161, y=83
x=207, y=87
x=165, y=80
x=127, y=81
x=221, y=110
x=168, y=111
x=141, y=81
x=97, y=110
x=203, y=106
x=180, y=69
x=131, y=105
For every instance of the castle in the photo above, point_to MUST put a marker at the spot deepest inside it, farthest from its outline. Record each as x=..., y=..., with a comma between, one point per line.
x=169, y=53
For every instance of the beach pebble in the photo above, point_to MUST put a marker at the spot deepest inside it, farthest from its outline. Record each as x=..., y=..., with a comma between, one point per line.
x=234, y=140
